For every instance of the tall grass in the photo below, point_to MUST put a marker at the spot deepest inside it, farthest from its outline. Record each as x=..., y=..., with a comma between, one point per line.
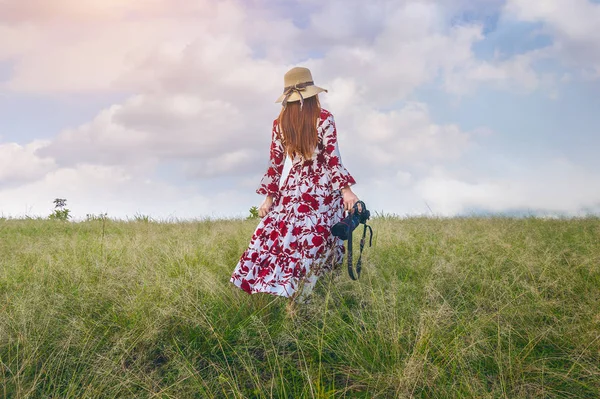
x=466, y=308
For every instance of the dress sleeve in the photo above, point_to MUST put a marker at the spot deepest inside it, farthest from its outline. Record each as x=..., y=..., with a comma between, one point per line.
x=340, y=177
x=269, y=184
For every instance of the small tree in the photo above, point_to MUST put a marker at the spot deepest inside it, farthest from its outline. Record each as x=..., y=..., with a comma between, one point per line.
x=61, y=212
x=253, y=213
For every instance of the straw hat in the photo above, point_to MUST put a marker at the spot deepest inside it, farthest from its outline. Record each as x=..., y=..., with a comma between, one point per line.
x=298, y=85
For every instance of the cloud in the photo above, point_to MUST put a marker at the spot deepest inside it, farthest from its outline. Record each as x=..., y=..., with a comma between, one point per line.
x=95, y=189
x=554, y=186
x=98, y=46
x=212, y=138
x=407, y=137
x=41, y=11
x=390, y=49
x=385, y=141
x=516, y=73
x=207, y=106
x=393, y=47
x=573, y=25
x=94, y=60
x=209, y=137
x=20, y=164
x=201, y=79
x=411, y=49
x=210, y=104
x=234, y=163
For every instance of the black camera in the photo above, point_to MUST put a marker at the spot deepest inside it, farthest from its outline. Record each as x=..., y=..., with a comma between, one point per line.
x=344, y=231
x=344, y=228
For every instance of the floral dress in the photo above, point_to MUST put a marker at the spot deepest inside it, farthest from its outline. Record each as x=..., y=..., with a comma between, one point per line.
x=292, y=245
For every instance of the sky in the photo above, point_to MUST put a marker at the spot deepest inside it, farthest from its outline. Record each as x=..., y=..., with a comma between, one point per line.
x=164, y=107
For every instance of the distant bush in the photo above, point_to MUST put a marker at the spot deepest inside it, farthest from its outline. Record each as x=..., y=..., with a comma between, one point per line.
x=138, y=217
x=99, y=217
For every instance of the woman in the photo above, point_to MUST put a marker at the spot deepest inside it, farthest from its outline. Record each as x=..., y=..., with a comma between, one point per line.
x=292, y=245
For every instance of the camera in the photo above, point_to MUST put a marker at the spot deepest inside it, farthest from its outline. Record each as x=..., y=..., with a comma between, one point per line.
x=344, y=228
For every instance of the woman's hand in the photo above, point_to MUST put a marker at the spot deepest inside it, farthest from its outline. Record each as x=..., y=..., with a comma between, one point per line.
x=349, y=198
x=265, y=207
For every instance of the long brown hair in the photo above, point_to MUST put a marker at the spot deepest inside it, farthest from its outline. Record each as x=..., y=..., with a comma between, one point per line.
x=299, y=127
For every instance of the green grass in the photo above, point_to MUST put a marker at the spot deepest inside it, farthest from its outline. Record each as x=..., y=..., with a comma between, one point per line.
x=446, y=308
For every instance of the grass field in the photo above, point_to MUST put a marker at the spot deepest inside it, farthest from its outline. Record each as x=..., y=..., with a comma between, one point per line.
x=446, y=308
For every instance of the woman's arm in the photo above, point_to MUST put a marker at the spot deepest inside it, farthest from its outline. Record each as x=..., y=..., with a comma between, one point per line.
x=341, y=179
x=269, y=184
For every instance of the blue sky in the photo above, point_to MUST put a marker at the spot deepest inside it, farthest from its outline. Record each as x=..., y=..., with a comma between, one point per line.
x=486, y=106
x=533, y=124
x=26, y=117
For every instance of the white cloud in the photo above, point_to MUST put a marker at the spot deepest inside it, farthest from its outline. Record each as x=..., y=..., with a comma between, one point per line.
x=572, y=24
x=411, y=50
x=408, y=136
x=556, y=186
x=20, y=163
x=210, y=104
x=234, y=163
x=406, y=44
x=393, y=47
x=91, y=10
x=98, y=46
x=516, y=74
x=149, y=128
x=390, y=140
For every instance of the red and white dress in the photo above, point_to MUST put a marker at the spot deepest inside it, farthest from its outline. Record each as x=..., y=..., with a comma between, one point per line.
x=292, y=245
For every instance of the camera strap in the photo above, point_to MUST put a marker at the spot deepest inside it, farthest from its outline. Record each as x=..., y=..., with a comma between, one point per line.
x=362, y=245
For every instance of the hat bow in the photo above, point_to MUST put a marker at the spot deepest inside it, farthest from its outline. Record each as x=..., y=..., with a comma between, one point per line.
x=297, y=88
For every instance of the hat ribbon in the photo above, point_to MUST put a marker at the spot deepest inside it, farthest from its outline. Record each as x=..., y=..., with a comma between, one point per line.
x=297, y=88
